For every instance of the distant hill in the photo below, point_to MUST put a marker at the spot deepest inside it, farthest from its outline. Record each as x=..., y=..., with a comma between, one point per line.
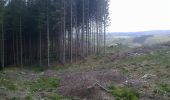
x=134, y=39
x=154, y=32
x=141, y=39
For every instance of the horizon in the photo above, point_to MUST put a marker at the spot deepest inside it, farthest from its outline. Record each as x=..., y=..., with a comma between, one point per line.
x=139, y=15
x=138, y=31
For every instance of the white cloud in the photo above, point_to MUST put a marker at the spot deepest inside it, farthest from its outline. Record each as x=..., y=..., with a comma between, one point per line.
x=139, y=15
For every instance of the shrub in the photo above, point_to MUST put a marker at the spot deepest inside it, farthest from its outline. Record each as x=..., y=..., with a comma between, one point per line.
x=124, y=93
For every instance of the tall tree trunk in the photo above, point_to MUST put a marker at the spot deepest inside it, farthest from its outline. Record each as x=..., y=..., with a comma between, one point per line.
x=17, y=54
x=64, y=33
x=88, y=29
x=97, y=37
x=104, y=28
x=93, y=39
x=71, y=29
x=21, y=42
x=83, y=33
x=3, y=53
x=14, y=48
x=30, y=48
x=77, y=41
x=40, y=59
x=90, y=38
x=48, y=37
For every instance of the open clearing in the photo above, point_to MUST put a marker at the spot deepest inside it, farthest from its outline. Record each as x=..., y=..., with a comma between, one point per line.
x=133, y=74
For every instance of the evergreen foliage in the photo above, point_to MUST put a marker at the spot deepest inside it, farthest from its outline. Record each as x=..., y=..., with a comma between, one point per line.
x=43, y=31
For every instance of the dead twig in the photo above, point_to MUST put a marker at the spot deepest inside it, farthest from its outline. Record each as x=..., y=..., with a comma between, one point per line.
x=100, y=86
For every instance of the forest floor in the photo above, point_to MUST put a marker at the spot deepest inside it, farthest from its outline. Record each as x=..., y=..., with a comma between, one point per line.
x=142, y=73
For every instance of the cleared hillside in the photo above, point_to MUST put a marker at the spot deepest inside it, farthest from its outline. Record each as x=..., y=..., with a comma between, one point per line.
x=140, y=74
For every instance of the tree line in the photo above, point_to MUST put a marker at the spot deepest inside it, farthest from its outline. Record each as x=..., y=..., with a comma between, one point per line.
x=44, y=31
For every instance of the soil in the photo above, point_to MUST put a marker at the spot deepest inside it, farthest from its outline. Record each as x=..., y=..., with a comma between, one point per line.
x=89, y=85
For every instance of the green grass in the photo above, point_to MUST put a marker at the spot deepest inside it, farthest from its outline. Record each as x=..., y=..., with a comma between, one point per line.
x=162, y=89
x=155, y=64
x=55, y=97
x=118, y=48
x=50, y=96
x=124, y=93
x=29, y=97
x=36, y=68
x=7, y=84
x=43, y=83
x=160, y=58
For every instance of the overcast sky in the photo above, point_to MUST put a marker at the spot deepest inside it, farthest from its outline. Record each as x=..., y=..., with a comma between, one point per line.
x=139, y=15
